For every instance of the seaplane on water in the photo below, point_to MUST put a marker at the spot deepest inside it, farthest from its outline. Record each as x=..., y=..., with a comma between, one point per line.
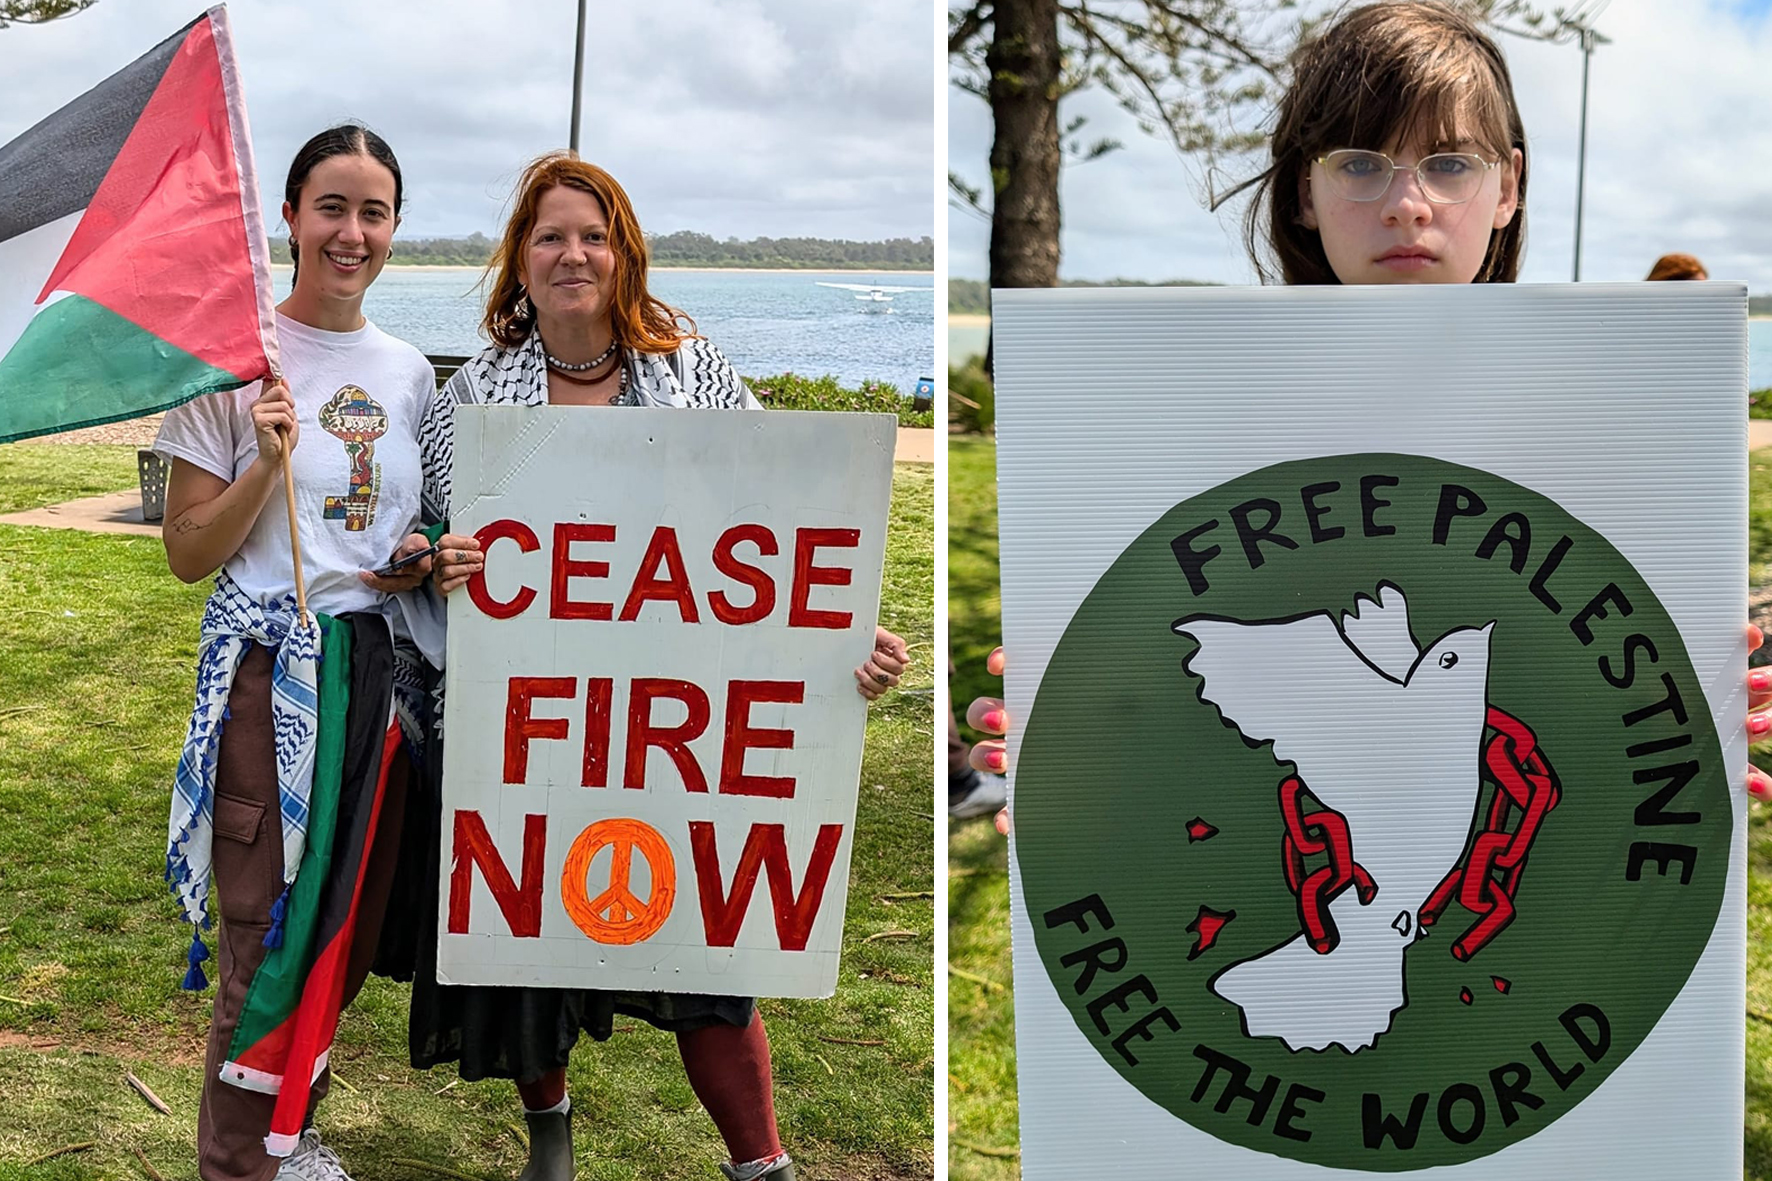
x=872, y=294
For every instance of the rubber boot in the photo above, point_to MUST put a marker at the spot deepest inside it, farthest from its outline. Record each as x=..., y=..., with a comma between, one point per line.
x=550, y=1147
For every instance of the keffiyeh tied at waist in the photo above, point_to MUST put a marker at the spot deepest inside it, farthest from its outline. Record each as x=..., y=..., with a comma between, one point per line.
x=231, y=621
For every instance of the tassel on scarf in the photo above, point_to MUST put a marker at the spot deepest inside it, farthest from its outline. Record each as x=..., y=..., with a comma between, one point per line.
x=274, y=936
x=195, y=980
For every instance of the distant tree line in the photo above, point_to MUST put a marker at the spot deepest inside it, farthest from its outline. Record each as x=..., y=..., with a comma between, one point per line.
x=1759, y=305
x=687, y=249
x=972, y=297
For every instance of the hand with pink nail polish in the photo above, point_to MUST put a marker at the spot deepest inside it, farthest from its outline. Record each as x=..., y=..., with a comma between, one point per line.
x=988, y=715
x=1759, y=717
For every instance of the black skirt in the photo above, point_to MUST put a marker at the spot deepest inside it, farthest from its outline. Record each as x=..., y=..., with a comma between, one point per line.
x=514, y=1033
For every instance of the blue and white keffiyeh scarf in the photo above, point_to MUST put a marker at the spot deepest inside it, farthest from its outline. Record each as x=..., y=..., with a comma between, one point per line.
x=231, y=621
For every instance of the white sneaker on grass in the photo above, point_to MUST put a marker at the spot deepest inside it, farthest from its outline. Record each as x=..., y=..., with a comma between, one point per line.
x=986, y=796
x=311, y=1161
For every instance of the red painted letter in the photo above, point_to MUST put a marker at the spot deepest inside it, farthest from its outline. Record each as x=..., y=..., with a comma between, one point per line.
x=520, y=727
x=673, y=740
x=598, y=691
x=806, y=576
x=722, y=912
x=662, y=550
x=727, y=563
x=521, y=905
x=526, y=541
x=740, y=737
x=561, y=605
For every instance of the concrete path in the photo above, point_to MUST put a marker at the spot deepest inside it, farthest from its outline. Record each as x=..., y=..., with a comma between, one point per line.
x=114, y=512
x=1759, y=433
x=917, y=445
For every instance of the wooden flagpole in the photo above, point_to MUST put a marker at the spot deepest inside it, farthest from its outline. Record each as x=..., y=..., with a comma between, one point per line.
x=301, y=589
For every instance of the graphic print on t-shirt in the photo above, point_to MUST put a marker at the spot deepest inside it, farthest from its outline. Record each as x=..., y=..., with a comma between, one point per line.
x=352, y=415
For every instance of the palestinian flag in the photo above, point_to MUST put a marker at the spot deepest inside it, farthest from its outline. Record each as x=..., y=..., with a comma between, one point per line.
x=134, y=273
x=293, y=1004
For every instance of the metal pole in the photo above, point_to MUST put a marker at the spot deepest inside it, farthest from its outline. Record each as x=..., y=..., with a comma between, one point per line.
x=1587, y=51
x=578, y=76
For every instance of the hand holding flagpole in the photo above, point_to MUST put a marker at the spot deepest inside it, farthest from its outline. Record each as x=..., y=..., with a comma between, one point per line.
x=283, y=433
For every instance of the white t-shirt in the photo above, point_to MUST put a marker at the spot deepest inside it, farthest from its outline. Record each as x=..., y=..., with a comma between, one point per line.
x=359, y=397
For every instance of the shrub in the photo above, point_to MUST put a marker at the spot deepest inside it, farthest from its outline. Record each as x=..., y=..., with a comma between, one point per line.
x=1759, y=404
x=790, y=391
x=972, y=400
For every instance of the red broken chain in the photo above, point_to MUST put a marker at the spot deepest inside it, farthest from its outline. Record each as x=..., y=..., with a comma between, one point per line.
x=1525, y=780
x=1316, y=889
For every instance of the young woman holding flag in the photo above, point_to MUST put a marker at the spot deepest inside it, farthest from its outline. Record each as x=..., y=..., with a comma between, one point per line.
x=307, y=772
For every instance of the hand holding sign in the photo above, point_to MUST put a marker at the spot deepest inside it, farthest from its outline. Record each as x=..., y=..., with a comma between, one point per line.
x=990, y=716
x=884, y=665
x=458, y=559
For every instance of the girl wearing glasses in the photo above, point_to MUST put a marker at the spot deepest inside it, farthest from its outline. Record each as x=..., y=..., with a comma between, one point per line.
x=1398, y=156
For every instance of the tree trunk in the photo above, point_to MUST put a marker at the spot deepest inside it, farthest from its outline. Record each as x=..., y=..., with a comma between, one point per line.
x=1024, y=65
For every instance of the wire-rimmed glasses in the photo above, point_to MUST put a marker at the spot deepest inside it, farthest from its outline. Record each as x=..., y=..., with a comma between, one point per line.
x=1446, y=178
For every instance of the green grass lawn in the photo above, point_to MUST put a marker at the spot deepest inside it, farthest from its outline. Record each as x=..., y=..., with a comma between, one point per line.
x=982, y=1129
x=97, y=653
x=981, y=1035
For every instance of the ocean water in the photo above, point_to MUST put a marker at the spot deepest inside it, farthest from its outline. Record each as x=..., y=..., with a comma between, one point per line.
x=967, y=340
x=765, y=323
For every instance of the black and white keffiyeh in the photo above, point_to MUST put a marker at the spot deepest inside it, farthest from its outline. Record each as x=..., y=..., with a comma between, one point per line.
x=697, y=376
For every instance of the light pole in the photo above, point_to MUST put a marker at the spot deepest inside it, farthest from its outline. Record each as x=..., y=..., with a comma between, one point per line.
x=1589, y=38
x=578, y=77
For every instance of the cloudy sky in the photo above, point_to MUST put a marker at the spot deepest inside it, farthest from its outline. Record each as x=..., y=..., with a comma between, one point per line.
x=736, y=118
x=1679, y=158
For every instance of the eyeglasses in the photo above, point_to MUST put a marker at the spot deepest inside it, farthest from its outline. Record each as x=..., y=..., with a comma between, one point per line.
x=1446, y=178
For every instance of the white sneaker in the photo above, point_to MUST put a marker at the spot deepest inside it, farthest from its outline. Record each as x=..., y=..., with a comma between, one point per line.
x=985, y=797
x=311, y=1161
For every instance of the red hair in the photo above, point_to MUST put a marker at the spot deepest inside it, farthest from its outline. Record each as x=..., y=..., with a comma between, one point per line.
x=1677, y=266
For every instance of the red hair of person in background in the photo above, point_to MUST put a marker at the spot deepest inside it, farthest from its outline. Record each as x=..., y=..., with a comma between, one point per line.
x=1677, y=266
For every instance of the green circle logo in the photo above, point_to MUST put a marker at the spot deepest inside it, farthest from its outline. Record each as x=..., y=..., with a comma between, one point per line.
x=1370, y=813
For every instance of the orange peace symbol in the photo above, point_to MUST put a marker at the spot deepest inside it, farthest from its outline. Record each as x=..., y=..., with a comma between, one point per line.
x=616, y=915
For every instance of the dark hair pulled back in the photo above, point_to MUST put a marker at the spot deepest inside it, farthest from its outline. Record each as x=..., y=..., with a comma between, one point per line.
x=347, y=139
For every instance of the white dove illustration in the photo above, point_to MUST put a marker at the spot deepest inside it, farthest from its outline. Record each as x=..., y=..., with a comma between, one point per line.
x=1388, y=735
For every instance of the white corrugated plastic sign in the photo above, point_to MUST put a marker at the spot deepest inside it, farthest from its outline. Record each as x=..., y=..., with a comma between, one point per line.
x=1378, y=660
x=652, y=733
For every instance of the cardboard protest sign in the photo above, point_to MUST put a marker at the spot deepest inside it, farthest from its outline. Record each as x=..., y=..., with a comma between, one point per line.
x=652, y=733
x=1379, y=793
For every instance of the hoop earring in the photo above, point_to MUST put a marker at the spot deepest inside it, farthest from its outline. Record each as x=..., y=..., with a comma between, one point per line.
x=524, y=311
x=390, y=254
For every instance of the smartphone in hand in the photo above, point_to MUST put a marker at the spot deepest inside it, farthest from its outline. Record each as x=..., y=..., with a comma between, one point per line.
x=399, y=564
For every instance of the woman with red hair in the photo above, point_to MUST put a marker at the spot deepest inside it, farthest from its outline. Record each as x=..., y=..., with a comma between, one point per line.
x=1676, y=266
x=572, y=323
